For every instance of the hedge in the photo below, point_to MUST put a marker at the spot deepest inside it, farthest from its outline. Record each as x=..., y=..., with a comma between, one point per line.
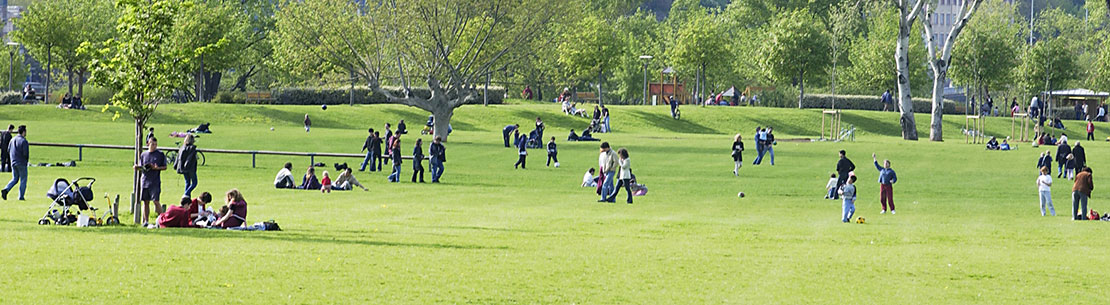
x=11, y=98
x=338, y=96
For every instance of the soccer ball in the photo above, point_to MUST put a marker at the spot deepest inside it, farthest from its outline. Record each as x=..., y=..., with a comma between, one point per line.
x=861, y=220
x=325, y=107
x=740, y=195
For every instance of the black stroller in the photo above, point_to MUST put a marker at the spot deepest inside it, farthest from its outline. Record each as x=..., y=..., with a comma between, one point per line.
x=65, y=195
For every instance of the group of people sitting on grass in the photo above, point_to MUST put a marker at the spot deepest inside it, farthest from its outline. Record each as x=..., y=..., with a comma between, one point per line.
x=993, y=144
x=195, y=213
x=71, y=102
x=344, y=182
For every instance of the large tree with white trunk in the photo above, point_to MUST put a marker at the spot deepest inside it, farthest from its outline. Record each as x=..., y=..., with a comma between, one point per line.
x=939, y=57
x=448, y=45
x=908, y=11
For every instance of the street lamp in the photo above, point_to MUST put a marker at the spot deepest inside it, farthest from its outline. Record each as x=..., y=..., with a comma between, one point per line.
x=646, y=59
x=11, y=59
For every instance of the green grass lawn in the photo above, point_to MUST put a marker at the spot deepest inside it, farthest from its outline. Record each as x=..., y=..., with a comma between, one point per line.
x=968, y=229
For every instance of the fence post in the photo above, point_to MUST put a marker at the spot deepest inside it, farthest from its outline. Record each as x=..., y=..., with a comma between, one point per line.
x=253, y=155
x=80, y=152
x=312, y=158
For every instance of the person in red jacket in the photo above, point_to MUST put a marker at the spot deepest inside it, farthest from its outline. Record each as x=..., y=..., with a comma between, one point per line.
x=177, y=216
x=1090, y=131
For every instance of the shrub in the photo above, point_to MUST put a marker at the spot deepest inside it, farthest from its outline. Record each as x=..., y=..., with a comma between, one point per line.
x=11, y=97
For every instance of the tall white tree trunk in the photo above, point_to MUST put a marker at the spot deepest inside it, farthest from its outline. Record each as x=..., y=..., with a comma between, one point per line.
x=939, y=62
x=136, y=188
x=907, y=14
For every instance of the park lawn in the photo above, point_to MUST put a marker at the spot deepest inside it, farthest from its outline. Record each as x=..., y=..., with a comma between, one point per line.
x=968, y=229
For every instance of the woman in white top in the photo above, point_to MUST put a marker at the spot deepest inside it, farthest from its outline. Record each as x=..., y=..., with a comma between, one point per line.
x=625, y=176
x=1044, y=187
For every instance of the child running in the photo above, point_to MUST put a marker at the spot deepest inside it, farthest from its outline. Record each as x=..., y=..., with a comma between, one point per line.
x=737, y=156
x=552, y=153
x=848, y=192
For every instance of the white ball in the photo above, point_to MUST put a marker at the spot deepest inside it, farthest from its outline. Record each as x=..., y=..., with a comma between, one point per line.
x=271, y=129
x=740, y=195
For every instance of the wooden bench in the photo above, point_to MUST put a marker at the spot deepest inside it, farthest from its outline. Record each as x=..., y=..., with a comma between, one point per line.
x=586, y=97
x=254, y=97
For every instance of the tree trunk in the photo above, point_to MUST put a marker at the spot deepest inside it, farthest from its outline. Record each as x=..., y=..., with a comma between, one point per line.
x=901, y=58
x=485, y=91
x=801, y=88
x=936, y=125
x=81, y=83
x=351, y=93
x=443, y=121
x=198, y=84
x=136, y=188
x=241, y=80
x=69, y=77
x=49, y=58
x=212, y=84
x=599, y=80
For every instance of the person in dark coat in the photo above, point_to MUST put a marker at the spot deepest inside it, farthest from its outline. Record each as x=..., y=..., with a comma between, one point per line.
x=376, y=152
x=1080, y=156
x=522, y=151
x=395, y=155
x=1062, y=152
x=438, y=155
x=508, y=130
x=843, y=168
x=1045, y=161
x=370, y=157
x=5, y=158
x=186, y=164
x=418, y=161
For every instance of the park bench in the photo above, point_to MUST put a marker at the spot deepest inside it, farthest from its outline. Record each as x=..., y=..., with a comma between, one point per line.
x=260, y=96
x=586, y=97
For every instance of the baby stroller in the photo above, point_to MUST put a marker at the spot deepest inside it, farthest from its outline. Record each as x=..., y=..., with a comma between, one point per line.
x=534, y=140
x=65, y=195
x=637, y=188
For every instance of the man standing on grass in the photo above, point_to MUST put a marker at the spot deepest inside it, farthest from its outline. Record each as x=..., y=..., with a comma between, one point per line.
x=843, y=168
x=1080, y=156
x=438, y=155
x=369, y=152
x=887, y=99
x=1045, y=161
x=887, y=178
x=151, y=163
x=5, y=158
x=1080, y=192
x=1062, y=152
x=607, y=162
x=20, y=152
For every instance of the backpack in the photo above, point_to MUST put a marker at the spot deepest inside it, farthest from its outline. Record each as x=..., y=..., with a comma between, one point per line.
x=1093, y=215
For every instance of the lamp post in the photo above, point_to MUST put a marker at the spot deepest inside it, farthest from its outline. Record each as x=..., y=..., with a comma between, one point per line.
x=646, y=59
x=11, y=60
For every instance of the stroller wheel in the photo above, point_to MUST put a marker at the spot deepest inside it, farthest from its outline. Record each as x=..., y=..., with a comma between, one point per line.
x=111, y=221
x=44, y=221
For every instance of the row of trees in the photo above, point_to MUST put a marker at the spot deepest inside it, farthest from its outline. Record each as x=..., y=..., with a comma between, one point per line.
x=450, y=47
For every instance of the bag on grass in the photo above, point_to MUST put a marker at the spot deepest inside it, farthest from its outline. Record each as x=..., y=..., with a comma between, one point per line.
x=1093, y=215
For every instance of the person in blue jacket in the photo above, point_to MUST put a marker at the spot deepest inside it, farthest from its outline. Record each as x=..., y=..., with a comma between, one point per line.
x=508, y=130
x=887, y=178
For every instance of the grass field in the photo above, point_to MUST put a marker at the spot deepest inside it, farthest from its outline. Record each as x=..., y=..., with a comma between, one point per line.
x=968, y=230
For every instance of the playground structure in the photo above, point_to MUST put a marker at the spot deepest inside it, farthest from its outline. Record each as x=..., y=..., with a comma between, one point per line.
x=1024, y=119
x=973, y=130
x=833, y=119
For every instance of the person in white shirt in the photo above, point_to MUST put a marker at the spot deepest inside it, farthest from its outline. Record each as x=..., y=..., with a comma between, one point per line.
x=589, y=180
x=1044, y=187
x=1063, y=138
x=830, y=188
x=284, y=178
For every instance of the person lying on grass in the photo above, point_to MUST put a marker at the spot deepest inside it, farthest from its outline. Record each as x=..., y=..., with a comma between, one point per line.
x=234, y=213
x=177, y=216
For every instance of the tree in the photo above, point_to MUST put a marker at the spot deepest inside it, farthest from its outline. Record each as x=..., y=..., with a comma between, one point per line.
x=871, y=68
x=218, y=32
x=1101, y=70
x=797, y=49
x=907, y=14
x=698, y=46
x=141, y=65
x=939, y=57
x=984, y=57
x=1048, y=65
x=642, y=35
x=451, y=45
x=258, y=50
x=591, y=50
x=19, y=70
x=49, y=32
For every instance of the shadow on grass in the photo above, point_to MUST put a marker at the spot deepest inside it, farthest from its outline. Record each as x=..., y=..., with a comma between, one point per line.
x=872, y=125
x=667, y=123
x=286, y=236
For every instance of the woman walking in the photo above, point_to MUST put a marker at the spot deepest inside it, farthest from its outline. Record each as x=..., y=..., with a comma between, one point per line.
x=186, y=164
x=737, y=156
x=625, y=176
x=418, y=161
x=1044, y=188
